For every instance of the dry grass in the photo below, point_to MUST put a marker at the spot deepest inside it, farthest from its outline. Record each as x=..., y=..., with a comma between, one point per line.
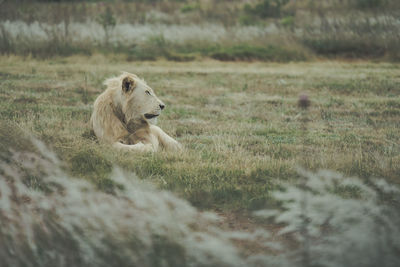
x=239, y=122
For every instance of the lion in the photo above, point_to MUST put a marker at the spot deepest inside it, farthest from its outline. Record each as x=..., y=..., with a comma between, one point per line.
x=125, y=114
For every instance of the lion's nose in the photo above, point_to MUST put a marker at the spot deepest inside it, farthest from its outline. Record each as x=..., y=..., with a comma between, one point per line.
x=162, y=106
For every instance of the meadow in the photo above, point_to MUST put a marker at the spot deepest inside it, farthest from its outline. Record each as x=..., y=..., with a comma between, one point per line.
x=247, y=146
x=242, y=130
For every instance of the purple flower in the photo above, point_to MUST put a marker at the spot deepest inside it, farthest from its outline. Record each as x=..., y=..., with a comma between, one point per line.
x=304, y=101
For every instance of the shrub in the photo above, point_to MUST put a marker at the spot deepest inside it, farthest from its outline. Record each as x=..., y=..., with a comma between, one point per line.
x=190, y=8
x=287, y=22
x=369, y=3
x=246, y=19
x=266, y=8
x=248, y=52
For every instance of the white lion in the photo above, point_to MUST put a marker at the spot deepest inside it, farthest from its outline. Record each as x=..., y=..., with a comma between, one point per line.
x=124, y=115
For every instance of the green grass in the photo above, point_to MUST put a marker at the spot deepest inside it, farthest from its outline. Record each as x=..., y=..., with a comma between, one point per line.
x=239, y=122
x=251, y=52
x=158, y=48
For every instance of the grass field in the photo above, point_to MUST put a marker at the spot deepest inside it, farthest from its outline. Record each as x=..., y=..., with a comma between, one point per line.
x=239, y=122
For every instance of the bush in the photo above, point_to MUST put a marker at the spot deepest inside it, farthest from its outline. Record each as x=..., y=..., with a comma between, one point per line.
x=288, y=22
x=190, y=8
x=266, y=8
x=345, y=47
x=369, y=3
x=248, y=52
x=246, y=19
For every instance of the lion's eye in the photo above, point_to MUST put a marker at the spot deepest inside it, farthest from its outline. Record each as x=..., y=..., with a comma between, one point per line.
x=148, y=92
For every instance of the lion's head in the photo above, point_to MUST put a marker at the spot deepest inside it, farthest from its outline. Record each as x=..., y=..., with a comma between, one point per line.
x=138, y=99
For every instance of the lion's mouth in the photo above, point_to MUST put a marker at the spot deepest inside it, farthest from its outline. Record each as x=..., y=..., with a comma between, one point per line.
x=150, y=116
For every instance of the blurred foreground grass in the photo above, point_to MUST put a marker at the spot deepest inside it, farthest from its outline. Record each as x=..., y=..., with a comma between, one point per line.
x=239, y=122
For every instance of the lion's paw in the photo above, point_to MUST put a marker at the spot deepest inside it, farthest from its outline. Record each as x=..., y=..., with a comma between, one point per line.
x=143, y=147
x=175, y=146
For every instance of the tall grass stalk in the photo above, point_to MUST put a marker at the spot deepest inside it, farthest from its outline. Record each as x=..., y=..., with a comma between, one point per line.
x=341, y=230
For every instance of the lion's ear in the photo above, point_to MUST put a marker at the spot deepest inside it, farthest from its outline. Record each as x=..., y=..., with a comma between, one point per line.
x=128, y=84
